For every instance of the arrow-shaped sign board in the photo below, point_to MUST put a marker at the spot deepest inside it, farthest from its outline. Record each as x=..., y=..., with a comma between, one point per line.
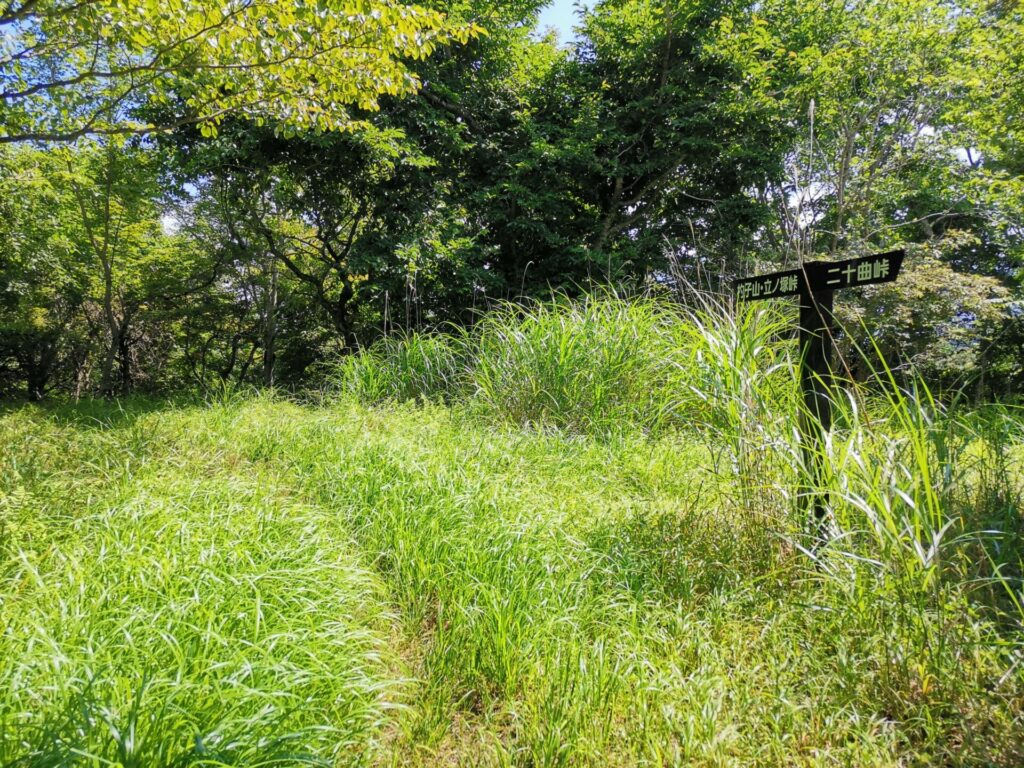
x=822, y=276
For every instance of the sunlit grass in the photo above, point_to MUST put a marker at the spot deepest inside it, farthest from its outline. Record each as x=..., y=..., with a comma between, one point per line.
x=612, y=566
x=164, y=600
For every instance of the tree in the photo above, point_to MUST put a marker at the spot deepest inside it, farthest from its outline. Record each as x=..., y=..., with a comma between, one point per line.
x=595, y=164
x=879, y=101
x=90, y=281
x=936, y=319
x=992, y=122
x=669, y=161
x=42, y=277
x=889, y=109
x=74, y=68
x=113, y=189
x=375, y=228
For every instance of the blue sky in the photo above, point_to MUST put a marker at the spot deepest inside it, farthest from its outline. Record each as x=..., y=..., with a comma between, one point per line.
x=558, y=14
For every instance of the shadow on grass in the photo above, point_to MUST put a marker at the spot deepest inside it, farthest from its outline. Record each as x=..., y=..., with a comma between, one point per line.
x=684, y=555
x=97, y=413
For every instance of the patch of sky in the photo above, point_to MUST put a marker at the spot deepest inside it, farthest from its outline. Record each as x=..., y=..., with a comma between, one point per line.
x=562, y=16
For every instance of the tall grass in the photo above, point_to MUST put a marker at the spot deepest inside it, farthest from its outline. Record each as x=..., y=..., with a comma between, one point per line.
x=926, y=514
x=924, y=502
x=412, y=367
x=630, y=581
x=597, y=365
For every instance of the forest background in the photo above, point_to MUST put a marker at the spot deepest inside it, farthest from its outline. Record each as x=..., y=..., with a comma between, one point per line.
x=195, y=196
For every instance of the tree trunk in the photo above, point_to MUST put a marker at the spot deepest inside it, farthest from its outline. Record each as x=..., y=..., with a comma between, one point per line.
x=104, y=252
x=38, y=369
x=124, y=361
x=340, y=316
x=270, y=326
x=611, y=214
x=113, y=326
x=107, y=371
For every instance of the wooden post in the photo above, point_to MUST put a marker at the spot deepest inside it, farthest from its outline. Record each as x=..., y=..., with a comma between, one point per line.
x=816, y=351
x=814, y=282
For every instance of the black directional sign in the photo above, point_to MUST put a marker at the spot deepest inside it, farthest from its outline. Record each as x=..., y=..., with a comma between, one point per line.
x=814, y=282
x=853, y=273
x=822, y=276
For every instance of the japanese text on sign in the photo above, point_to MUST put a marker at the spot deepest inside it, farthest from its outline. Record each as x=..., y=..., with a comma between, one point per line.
x=768, y=286
x=853, y=273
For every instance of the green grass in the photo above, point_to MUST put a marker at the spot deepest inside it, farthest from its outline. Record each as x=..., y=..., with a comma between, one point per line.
x=627, y=581
x=600, y=365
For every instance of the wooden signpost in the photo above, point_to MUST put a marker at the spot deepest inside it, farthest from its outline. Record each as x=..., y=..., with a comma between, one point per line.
x=815, y=282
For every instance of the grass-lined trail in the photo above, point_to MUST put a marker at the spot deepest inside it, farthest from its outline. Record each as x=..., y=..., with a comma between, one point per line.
x=263, y=583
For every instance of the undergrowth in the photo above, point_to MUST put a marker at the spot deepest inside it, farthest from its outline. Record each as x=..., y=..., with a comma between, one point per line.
x=630, y=580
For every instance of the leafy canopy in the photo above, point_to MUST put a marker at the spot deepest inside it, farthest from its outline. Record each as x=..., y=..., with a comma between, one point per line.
x=72, y=68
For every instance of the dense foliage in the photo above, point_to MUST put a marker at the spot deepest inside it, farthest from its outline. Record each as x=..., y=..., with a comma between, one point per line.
x=600, y=535
x=274, y=211
x=83, y=68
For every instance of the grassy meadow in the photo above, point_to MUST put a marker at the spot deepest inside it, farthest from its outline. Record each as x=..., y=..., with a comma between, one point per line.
x=571, y=536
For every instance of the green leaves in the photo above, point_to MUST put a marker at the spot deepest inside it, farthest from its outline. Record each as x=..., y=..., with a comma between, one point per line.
x=70, y=70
